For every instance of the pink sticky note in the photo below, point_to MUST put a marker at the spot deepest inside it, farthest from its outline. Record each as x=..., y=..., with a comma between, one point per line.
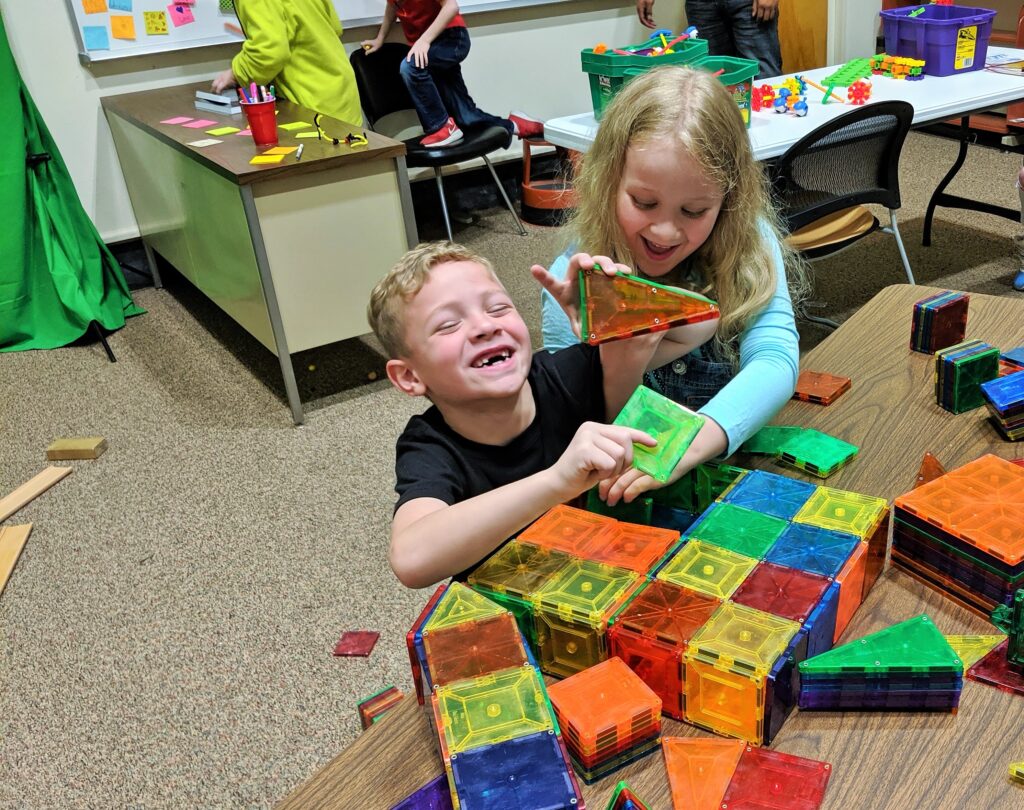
x=244, y=132
x=181, y=119
x=202, y=122
x=181, y=13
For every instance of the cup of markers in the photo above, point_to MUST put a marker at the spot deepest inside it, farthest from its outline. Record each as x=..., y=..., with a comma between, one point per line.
x=260, y=108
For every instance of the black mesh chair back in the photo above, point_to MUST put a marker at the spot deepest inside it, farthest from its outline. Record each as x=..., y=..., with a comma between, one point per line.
x=850, y=160
x=382, y=92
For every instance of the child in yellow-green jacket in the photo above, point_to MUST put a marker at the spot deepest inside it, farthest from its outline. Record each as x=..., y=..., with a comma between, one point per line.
x=295, y=45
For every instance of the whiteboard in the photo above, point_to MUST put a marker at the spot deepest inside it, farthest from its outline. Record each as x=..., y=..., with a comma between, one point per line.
x=114, y=29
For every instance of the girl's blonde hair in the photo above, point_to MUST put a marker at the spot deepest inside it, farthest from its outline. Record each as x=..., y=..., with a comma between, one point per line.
x=692, y=107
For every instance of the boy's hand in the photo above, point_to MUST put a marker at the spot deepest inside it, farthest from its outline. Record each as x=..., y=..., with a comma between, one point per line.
x=371, y=45
x=223, y=80
x=418, y=53
x=567, y=291
x=597, y=452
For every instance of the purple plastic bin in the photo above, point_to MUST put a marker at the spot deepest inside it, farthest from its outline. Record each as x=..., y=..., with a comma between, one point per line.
x=951, y=39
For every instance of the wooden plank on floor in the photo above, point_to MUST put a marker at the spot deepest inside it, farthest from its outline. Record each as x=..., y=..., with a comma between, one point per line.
x=12, y=541
x=30, y=490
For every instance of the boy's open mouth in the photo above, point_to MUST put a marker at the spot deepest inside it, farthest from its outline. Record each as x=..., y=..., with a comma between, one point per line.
x=493, y=357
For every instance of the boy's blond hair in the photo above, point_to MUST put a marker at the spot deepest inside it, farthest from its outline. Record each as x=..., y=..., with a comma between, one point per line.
x=393, y=292
x=692, y=107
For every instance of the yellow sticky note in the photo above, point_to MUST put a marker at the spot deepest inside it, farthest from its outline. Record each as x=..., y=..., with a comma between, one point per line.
x=281, y=150
x=222, y=131
x=156, y=22
x=295, y=125
x=94, y=6
x=122, y=27
x=267, y=159
x=307, y=134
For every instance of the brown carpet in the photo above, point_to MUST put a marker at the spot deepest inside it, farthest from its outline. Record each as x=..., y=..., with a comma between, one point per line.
x=166, y=635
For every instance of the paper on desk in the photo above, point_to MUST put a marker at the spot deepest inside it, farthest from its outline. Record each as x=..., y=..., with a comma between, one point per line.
x=181, y=119
x=222, y=131
x=244, y=132
x=267, y=159
x=295, y=125
x=200, y=124
x=310, y=134
x=204, y=142
x=281, y=150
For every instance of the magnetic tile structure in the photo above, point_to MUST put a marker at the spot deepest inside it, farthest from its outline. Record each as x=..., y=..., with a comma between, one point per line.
x=608, y=717
x=959, y=372
x=939, y=321
x=817, y=453
x=963, y=533
x=1004, y=398
x=716, y=633
x=496, y=731
x=708, y=774
x=820, y=388
x=909, y=666
x=372, y=708
x=621, y=306
x=625, y=799
x=432, y=796
x=673, y=426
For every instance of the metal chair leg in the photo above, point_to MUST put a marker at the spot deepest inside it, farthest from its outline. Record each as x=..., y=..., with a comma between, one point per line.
x=106, y=346
x=802, y=314
x=444, y=205
x=504, y=196
x=895, y=231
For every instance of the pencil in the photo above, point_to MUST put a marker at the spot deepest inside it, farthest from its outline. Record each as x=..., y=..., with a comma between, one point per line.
x=817, y=86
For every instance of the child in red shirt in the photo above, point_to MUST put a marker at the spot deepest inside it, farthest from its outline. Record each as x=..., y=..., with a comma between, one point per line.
x=439, y=42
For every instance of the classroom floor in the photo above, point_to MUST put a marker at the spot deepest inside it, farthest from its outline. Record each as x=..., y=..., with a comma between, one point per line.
x=167, y=633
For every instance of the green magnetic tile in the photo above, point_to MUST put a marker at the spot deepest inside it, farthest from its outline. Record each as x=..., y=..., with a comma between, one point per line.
x=972, y=649
x=518, y=569
x=743, y=639
x=713, y=479
x=492, y=708
x=737, y=529
x=915, y=645
x=586, y=591
x=842, y=511
x=769, y=439
x=639, y=511
x=817, y=452
x=680, y=494
x=459, y=604
x=671, y=424
x=707, y=569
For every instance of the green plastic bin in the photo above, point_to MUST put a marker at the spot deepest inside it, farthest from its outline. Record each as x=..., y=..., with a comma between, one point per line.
x=737, y=76
x=610, y=71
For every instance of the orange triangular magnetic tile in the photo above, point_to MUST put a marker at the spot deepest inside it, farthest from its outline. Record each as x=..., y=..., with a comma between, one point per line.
x=700, y=769
x=930, y=470
x=620, y=306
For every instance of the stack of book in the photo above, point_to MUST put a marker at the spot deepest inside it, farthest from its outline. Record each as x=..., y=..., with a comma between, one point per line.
x=225, y=102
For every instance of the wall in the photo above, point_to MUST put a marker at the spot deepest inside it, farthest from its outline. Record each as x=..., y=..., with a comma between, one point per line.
x=526, y=58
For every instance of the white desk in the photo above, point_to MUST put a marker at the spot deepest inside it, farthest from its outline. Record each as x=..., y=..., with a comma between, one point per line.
x=935, y=98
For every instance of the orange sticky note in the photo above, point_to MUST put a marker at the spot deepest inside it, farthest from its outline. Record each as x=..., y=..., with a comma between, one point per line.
x=122, y=27
x=156, y=22
x=94, y=6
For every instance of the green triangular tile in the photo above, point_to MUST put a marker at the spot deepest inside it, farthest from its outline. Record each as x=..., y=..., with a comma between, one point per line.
x=915, y=645
x=462, y=604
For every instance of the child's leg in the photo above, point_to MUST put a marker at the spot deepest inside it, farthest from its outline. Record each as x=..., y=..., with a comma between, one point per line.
x=446, y=55
x=425, y=96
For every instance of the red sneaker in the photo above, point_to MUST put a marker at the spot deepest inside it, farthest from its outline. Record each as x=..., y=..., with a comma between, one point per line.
x=445, y=136
x=525, y=126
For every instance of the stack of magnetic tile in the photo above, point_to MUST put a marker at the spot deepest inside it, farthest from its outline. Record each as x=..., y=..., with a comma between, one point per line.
x=1011, y=362
x=959, y=372
x=806, y=449
x=963, y=533
x=909, y=666
x=1017, y=771
x=608, y=717
x=707, y=773
x=1004, y=398
x=496, y=730
x=371, y=709
x=820, y=388
x=624, y=799
x=939, y=321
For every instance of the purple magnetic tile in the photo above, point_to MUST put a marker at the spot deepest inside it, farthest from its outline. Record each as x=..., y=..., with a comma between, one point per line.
x=432, y=796
x=995, y=670
x=356, y=642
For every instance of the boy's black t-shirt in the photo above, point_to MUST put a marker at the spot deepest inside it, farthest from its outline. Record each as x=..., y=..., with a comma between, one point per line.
x=433, y=461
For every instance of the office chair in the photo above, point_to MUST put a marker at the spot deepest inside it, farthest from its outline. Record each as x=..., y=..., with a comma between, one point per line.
x=382, y=92
x=823, y=181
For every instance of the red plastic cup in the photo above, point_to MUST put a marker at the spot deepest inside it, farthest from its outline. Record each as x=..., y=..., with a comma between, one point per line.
x=262, y=118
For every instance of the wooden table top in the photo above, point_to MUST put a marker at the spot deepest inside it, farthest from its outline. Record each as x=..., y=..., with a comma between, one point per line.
x=894, y=760
x=231, y=157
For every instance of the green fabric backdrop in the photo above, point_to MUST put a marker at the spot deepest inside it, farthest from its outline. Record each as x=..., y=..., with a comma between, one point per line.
x=56, y=275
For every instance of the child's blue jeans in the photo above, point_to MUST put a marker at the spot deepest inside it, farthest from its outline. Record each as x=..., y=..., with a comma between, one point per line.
x=693, y=379
x=730, y=30
x=438, y=90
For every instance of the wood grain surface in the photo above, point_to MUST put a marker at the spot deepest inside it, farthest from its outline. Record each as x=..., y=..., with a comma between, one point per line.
x=892, y=760
x=231, y=157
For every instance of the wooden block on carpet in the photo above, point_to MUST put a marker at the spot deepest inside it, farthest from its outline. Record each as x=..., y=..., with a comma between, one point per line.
x=86, y=447
x=30, y=490
x=12, y=541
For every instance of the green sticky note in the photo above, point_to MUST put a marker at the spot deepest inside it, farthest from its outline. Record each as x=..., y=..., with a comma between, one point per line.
x=295, y=125
x=817, y=453
x=222, y=131
x=671, y=424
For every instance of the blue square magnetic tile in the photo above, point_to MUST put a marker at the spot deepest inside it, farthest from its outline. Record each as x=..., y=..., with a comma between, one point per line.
x=811, y=548
x=774, y=495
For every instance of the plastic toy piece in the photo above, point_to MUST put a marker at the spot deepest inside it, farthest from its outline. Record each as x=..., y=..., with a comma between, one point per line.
x=461, y=604
x=769, y=494
x=432, y=796
x=700, y=769
x=737, y=529
x=817, y=453
x=358, y=643
x=1017, y=772
x=372, y=708
x=639, y=511
x=743, y=638
x=621, y=306
x=848, y=73
x=851, y=580
x=939, y=321
x=929, y=471
x=773, y=780
x=994, y=670
x=625, y=799
x=673, y=426
x=820, y=388
x=913, y=646
x=972, y=649
x=769, y=440
x=707, y=569
x=812, y=548
x=566, y=529
x=859, y=92
x=414, y=644
x=713, y=480
x=1010, y=619
x=1004, y=398
x=781, y=591
x=472, y=649
x=633, y=547
x=843, y=511
x=959, y=372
